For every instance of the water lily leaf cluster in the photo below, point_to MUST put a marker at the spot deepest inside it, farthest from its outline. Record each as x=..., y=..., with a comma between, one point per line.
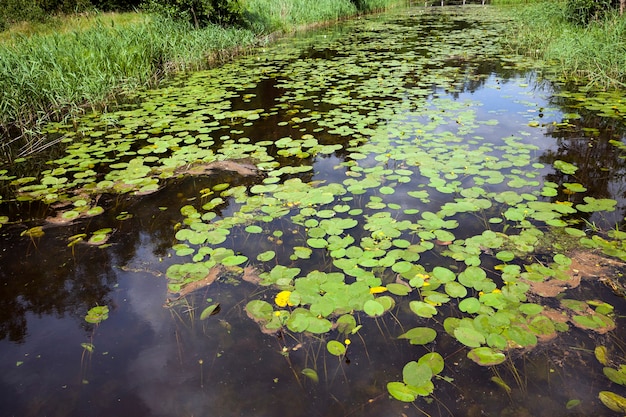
x=97, y=314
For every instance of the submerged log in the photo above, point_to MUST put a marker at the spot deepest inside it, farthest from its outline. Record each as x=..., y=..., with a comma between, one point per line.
x=213, y=274
x=243, y=168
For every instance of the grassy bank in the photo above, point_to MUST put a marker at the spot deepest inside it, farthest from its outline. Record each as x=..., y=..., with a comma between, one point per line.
x=47, y=76
x=594, y=54
x=51, y=71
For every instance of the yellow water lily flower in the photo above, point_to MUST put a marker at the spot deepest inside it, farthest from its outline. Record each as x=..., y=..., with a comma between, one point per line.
x=282, y=299
x=377, y=290
x=347, y=342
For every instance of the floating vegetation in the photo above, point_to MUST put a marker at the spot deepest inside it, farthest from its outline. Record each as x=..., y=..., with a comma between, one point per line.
x=97, y=315
x=374, y=193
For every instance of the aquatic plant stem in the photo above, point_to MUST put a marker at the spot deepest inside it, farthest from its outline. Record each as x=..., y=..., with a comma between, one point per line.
x=179, y=347
x=201, y=362
x=284, y=351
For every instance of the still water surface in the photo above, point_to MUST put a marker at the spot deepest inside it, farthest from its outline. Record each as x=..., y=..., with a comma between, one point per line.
x=378, y=75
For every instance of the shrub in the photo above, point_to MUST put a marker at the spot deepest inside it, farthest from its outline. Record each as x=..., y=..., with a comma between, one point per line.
x=15, y=11
x=198, y=12
x=583, y=12
x=116, y=5
x=370, y=5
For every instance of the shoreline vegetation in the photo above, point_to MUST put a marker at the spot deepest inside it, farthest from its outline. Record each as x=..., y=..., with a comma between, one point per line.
x=582, y=46
x=80, y=62
x=77, y=63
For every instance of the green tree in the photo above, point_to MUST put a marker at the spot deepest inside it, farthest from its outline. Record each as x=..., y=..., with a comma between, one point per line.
x=198, y=12
x=583, y=12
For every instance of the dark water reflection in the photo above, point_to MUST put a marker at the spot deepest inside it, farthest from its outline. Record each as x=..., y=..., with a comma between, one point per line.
x=149, y=360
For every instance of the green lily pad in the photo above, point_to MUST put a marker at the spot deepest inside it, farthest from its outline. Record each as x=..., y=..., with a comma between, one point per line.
x=211, y=310
x=373, y=308
x=486, y=356
x=419, y=335
x=416, y=374
x=613, y=401
x=311, y=374
x=346, y=324
x=401, y=392
x=615, y=375
x=469, y=305
x=97, y=314
x=259, y=310
x=398, y=289
x=266, y=256
x=434, y=361
x=336, y=348
x=234, y=260
x=423, y=309
x=469, y=337
x=565, y=167
x=254, y=229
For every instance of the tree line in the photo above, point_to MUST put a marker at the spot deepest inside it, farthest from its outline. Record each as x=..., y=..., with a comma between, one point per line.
x=197, y=12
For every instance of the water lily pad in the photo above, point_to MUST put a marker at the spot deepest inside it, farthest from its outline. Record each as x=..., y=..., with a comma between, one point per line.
x=469, y=305
x=416, y=374
x=97, y=314
x=434, y=361
x=422, y=309
x=259, y=310
x=593, y=204
x=601, y=354
x=311, y=374
x=486, y=356
x=234, y=260
x=615, y=375
x=254, y=229
x=336, y=348
x=469, y=337
x=613, y=401
x=455, y=290
x=373, y=308
x=266, y=256
x=401, y=392
x=398, y=289
x=419, y=335
x=209, y=311
x=565, y=167
x=443, y=274
x=346, y=324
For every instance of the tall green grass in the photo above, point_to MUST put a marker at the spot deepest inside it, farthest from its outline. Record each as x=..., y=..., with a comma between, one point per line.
x=594, y=55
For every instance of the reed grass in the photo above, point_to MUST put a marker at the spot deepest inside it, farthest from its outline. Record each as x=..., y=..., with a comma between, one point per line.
x=594, y=55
